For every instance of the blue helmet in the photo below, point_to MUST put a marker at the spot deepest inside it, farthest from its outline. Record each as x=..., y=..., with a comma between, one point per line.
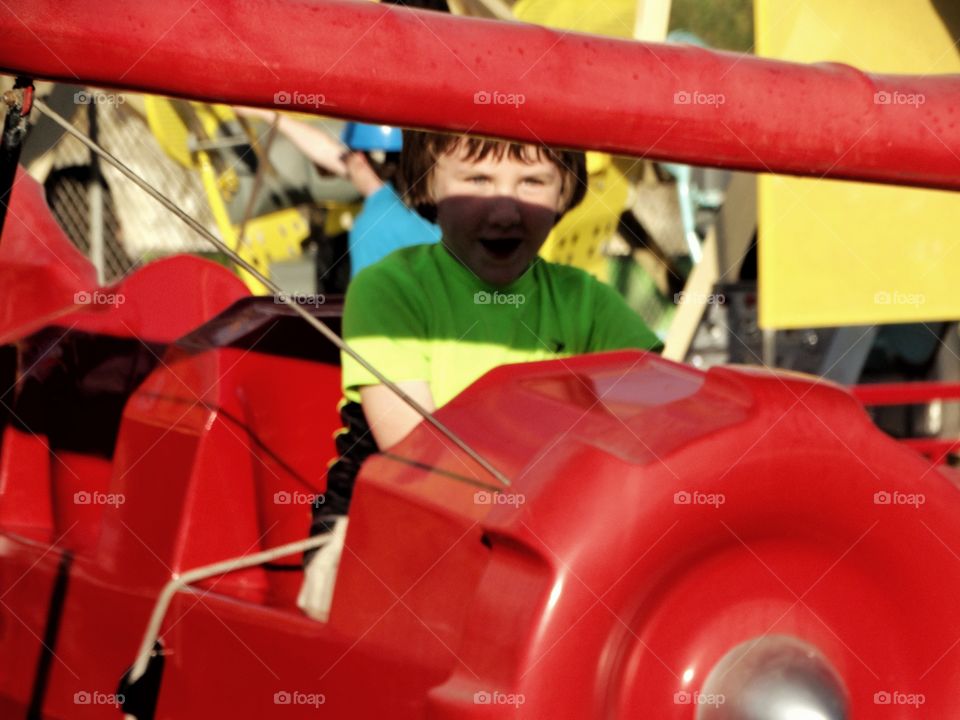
x=360, y=136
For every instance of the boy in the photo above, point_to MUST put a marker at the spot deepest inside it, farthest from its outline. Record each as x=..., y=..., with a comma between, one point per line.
x=437, y=317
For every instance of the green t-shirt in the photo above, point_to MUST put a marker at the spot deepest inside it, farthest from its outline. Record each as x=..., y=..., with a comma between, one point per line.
x=419, y=314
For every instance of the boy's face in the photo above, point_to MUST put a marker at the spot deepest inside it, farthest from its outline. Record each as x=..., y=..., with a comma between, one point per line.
x=496, y=213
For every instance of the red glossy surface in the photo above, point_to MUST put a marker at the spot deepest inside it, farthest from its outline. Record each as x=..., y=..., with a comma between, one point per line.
x=578, y=90
x=41, y=271
x=874, y=394
x=600, y=595
x=659, y=516
x=46, y=281
x=160, y=302
x=905, y=393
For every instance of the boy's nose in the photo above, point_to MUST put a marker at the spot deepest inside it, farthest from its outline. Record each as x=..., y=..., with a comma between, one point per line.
x=504, y=211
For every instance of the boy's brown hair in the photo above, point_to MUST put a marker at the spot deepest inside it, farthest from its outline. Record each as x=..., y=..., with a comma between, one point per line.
x=421, y=150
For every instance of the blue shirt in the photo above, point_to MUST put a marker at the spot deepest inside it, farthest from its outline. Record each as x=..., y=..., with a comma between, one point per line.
x=385, y=224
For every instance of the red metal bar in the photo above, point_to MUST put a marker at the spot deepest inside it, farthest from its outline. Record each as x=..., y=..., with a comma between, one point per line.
x=938, y=451
x=905, y=393
x=379, y=63
x=877, y=394
x=935, y=448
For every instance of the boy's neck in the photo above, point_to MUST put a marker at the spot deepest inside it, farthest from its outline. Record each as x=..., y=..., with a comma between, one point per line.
x=480, y=281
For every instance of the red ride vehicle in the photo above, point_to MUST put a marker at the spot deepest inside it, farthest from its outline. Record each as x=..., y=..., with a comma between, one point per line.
x=673, y=543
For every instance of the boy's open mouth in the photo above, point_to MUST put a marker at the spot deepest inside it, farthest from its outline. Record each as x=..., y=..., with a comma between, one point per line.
x=501, y=247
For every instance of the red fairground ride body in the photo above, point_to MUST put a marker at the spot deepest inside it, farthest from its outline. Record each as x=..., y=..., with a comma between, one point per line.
x=659, y=516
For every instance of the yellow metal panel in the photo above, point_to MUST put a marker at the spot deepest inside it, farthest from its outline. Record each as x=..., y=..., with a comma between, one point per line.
x=271, y=238
x=838, y=253
x=578, y=237
x=615, y=18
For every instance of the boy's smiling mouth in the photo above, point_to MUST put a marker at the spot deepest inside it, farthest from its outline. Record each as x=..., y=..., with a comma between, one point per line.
x=501, y=247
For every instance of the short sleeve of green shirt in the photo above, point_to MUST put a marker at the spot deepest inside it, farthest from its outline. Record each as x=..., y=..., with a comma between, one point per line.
x=615, y=325
x=384, y=323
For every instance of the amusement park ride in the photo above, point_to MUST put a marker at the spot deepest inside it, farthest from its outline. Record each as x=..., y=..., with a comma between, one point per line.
x=669, y=543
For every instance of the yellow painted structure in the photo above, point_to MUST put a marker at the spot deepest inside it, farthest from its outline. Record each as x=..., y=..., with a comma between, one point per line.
x=840, y=253
x=614, y=18
x=578, y=237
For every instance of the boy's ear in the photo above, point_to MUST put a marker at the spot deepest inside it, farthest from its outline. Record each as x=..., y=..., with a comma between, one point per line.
x=566, y=195
x=430, y=188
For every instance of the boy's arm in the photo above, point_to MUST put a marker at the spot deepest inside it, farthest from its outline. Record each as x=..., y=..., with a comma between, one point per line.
x=390, y=418
x=318, y=145
x=385, y=321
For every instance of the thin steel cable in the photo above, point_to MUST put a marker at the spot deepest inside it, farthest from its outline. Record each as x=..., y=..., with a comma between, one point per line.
x=310, y=319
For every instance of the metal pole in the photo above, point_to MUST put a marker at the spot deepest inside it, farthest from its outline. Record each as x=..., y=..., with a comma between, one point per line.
x=19, y=100
x=95, y=199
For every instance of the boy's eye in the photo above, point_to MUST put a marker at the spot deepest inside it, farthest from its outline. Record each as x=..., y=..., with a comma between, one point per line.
x=533, y=181
x=477, y=179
